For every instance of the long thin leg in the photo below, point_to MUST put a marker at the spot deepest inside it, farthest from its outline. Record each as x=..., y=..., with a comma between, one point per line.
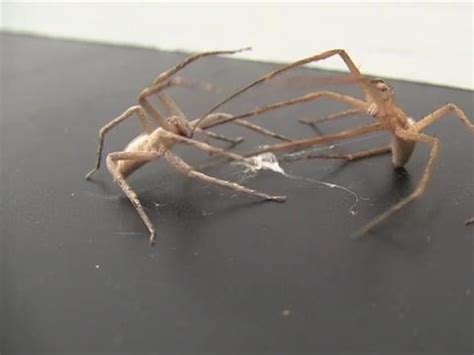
x=313, y=141
x=221, y=137
x=310, y=142
x=261, y=130
x=438, y=114
x=348, y=157
x=207, y=148
x=173, y=110
x=128, y=113
x=188, y=171
x=368, y=90
x=170, y=72
x=195, y=84
x=304, y=143
x=348, y=100
x=218, y=118
x=112, y=159
x=420, y=189
x=154, y=113
x=162, y=82
x=442, y=111
x=332, y=117
x=171, y=106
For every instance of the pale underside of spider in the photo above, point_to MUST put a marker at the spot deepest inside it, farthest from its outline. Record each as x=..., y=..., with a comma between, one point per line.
x=380, y=104
x=157, y=142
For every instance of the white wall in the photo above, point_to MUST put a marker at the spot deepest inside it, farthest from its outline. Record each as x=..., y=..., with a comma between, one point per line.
x=429, y=42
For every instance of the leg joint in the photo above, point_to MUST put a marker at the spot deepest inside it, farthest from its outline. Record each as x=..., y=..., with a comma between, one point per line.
x=143, y=94
x=451, y=107
x=103, y=131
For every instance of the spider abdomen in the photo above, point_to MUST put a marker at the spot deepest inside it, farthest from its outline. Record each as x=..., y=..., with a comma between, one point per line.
x=140, y=143
x=402, y=149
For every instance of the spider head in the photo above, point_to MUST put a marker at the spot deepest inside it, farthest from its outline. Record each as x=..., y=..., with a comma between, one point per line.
x=385, y=90
x=181, y=126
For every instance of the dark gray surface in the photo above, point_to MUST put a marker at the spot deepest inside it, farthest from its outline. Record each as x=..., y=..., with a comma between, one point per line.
x=79, y=276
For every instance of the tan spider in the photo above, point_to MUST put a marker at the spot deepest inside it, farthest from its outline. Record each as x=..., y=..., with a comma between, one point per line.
x=155, y=143
x=380, y=104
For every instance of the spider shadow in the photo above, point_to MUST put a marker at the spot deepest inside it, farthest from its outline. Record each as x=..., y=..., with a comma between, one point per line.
x=183, y=211
x=390, y=232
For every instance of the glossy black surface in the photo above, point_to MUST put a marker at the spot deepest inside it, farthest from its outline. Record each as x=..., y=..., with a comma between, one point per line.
x=228, y=274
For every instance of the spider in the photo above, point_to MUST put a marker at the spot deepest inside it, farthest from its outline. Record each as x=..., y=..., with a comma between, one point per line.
x=155, y=143
x=380, y=104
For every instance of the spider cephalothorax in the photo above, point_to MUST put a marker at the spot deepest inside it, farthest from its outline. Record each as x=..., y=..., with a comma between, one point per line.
x=386, y=91
x=181, y=126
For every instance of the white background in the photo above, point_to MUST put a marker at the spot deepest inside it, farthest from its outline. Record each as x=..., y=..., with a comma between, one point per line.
x=428, y=42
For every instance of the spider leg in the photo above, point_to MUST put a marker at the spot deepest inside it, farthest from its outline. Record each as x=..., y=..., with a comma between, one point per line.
x=161, y=82
x=332, y=117
x=214, y=119
x=420, y=189
x=170, y=105
x=309, y=142
x=368, y=90
x=170, y=72
x=128, y=113
x=442, y=111
x=173, y=109
x=438, y=114
x=301, y=144
x=207, y=148
x=348, y=100
x=218, y=118
x=348, y=157
x=261, y=130
x=313, y=141
x=155, y=114
x=221, y=137
x=188, y=171
x=112, y=159
x=187, y=83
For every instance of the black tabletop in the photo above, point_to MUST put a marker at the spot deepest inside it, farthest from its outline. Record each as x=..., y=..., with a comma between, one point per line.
x=228, y=274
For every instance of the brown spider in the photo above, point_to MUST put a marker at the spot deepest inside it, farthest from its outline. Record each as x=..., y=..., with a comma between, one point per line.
x=155, y=143
x=380, y=104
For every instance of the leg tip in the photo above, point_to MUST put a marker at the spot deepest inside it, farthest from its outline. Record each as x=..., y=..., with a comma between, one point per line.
x=357, y=235
x=361, y=233
x=152, y=239
x=278, y=198
x=89, y=174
